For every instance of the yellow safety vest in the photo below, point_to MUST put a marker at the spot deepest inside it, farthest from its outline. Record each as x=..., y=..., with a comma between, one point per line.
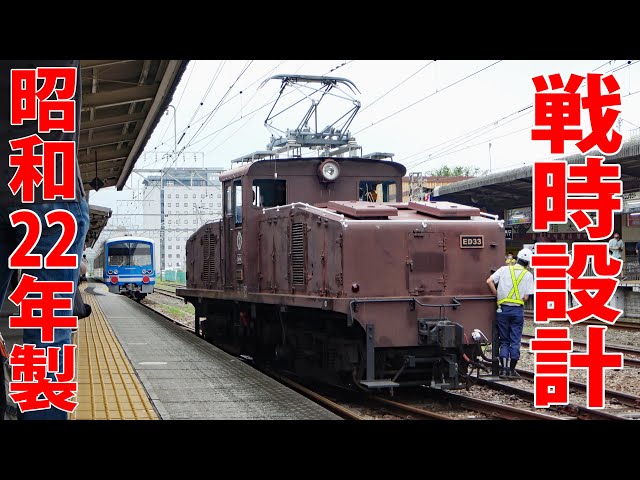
x=514, y=294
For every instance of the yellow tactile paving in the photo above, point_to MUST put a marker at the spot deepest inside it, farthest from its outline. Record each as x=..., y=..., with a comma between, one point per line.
x=108, y=388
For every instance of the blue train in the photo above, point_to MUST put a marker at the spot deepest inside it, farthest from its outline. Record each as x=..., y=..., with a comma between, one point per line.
x=126, y=266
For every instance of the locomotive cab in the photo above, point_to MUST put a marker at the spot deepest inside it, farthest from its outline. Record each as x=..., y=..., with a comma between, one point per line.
x=266, y=184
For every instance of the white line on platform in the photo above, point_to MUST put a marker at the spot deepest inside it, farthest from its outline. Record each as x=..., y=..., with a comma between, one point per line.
x=152, y=363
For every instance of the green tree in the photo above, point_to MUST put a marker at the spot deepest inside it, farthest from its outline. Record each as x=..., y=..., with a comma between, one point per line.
x=458, y=171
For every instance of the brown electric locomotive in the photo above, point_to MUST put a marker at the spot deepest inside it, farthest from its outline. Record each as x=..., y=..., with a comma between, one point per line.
x=317, y=265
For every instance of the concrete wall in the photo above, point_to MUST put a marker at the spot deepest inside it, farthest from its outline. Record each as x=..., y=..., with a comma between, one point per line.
x=631, y=303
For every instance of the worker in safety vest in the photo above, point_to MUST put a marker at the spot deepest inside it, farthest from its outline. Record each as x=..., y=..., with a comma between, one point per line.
x=512, y=285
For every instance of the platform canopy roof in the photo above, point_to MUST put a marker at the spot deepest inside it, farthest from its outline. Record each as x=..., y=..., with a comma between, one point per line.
x=122, y=102
x=513, y=188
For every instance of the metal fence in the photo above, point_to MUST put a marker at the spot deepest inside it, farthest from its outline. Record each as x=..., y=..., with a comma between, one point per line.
x=631, y=268
x=175, y=276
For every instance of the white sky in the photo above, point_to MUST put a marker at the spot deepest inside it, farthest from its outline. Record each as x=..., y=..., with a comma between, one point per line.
x=448, y=112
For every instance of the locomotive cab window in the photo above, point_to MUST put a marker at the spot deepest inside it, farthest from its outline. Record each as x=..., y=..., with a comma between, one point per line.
x=228, y=203
x=238, y=201
x=269, y=193
x=377, y=191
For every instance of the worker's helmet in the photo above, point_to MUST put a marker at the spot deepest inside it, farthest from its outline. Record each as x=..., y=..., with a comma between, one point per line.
x=525, y=254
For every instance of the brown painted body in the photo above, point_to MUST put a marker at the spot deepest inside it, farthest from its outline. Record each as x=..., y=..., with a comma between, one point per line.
x=382, y=264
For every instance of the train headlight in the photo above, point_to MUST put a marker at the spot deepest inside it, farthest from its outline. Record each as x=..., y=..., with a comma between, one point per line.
x=329, y=170
x=115, y=272
x=110, y=272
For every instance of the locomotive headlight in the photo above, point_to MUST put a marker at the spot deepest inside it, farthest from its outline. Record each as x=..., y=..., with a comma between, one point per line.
x=115, y=272
x=329, y=170
x=110, y=272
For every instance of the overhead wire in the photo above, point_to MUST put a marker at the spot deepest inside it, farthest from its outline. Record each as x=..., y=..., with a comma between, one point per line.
x=215, y=109
x=396, y=86
x=441, y=154
x=269, y=102
x=179, y=100
x=260, y=108
x=429, y=96
x=177, y=154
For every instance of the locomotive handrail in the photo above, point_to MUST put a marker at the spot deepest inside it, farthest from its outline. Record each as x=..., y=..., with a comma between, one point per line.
x=306, y=206
x=456, y=303
x=489, y=215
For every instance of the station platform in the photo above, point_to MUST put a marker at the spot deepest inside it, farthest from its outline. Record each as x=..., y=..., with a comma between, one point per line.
x=108, y=386
x=134, y=364
x=187, y=377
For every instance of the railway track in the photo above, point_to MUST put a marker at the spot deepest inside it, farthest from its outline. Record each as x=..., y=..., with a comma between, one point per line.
x=577, y=411
x=167, y=317
x=407, y=408
x=616, y=397
x=167, y=294
x=494, y=409
x=619, y=325
x=396, y=408
x=622, y=398
x=631, y=354
x=630, y=326
x=410, y=408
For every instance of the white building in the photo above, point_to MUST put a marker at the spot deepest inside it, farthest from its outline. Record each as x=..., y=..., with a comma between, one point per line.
x=178, y=201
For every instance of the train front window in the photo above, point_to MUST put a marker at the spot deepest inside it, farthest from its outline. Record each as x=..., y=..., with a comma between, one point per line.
x=141, y=254
x=377, y=191
x=129, y=254
x=269, y=193
x=118, y=254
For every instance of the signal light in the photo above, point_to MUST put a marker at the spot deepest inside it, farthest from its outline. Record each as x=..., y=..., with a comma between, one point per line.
x=114, y=279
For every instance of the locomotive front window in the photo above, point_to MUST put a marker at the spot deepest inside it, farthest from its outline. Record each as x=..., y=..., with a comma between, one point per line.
x=269, y=193
x=377, y=191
